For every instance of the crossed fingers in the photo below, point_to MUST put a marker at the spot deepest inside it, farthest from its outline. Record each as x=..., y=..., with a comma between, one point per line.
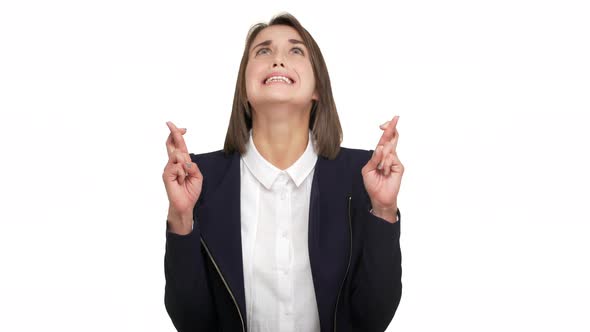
x=175, y=141
x=175, y=145
x=388, y=145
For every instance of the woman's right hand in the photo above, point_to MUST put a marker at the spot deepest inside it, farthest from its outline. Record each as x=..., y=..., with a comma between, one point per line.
x=183, y=181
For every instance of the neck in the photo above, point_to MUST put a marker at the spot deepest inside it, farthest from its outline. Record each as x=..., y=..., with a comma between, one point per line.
x=280, y=133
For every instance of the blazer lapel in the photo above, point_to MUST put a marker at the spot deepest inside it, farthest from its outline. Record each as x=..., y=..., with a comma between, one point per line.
x=219, y=222
x=328, y=238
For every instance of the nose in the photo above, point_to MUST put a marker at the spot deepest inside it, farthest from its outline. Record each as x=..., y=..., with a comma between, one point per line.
x=278, y=60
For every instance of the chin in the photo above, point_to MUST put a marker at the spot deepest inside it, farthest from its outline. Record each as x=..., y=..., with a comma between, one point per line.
x=276, y=98
x=276, y=101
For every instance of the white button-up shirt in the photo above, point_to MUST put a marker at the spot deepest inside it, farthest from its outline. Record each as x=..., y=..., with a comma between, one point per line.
x=274, y=209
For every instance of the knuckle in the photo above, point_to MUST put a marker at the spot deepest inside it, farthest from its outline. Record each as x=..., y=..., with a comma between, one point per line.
x=176, y=168
x=181, y=156
x=169, y=169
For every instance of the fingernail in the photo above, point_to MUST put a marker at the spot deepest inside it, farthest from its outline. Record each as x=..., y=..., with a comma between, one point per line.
x=188, y=165
x=184, y=129
x=380, y=165
x=384, y=123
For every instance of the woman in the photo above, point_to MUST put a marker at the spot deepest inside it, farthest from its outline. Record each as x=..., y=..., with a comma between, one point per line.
x=283, y=229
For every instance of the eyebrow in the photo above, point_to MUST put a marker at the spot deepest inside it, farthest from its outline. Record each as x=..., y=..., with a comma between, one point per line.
x=268, y=42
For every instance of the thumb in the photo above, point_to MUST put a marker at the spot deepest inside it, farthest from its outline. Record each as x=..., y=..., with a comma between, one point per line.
x=192, y=170
x=375, y=160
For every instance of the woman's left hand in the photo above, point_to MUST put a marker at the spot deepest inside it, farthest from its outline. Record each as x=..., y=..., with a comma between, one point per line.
x=382, y=175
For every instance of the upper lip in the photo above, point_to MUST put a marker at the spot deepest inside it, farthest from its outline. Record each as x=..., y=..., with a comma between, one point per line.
x=277, y=73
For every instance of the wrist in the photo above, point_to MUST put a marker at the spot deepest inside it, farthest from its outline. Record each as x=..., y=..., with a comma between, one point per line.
x=180, y=223
x=387, y=213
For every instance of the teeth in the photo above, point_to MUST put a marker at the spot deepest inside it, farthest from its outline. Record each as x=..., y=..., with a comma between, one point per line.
x=278, y=79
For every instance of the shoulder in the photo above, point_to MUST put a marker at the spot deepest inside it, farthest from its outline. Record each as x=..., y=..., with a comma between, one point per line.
x=355, y=158
x=347, y=164
x=215, y=166
x=353, y=153
x=213, y=160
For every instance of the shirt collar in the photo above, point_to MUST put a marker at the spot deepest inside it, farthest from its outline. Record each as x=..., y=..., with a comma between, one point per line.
x=266, y=173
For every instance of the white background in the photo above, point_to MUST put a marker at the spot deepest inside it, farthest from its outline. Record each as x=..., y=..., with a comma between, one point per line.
x=494, y=98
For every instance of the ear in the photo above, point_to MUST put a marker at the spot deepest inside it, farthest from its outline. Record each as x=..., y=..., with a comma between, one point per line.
x=315, y=96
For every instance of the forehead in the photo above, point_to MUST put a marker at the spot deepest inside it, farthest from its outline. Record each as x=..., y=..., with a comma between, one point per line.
x=277, y=33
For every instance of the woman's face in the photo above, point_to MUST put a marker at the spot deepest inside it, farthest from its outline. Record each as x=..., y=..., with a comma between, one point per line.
x=279, y=70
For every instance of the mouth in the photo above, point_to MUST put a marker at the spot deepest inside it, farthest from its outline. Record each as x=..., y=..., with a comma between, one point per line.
x=278, y=78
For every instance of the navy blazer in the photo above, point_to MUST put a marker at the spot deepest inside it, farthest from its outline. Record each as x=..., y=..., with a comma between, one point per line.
x=355, y=256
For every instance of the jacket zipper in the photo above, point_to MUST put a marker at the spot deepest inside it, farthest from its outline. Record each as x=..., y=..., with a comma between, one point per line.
x=225, y=283
x=349, y=259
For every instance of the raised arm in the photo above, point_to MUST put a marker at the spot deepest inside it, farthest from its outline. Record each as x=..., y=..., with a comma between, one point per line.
x=187, y=295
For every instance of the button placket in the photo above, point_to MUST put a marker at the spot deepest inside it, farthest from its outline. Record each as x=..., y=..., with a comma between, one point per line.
x=284, y=256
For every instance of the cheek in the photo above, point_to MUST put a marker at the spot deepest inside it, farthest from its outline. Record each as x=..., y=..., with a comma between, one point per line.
x=306, y=70
x=308, y=76
x=251, y=79
x=248, y=74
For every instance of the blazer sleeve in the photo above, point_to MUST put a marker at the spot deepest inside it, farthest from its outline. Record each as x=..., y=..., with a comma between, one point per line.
x=187, y=296
x=376, y=280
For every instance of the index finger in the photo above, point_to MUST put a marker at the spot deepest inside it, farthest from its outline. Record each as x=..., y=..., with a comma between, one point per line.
x=387, y=135
x=170, y=147
x=177, y=138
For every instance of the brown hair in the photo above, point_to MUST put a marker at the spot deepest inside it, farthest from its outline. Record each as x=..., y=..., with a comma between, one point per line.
x=323, y=120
